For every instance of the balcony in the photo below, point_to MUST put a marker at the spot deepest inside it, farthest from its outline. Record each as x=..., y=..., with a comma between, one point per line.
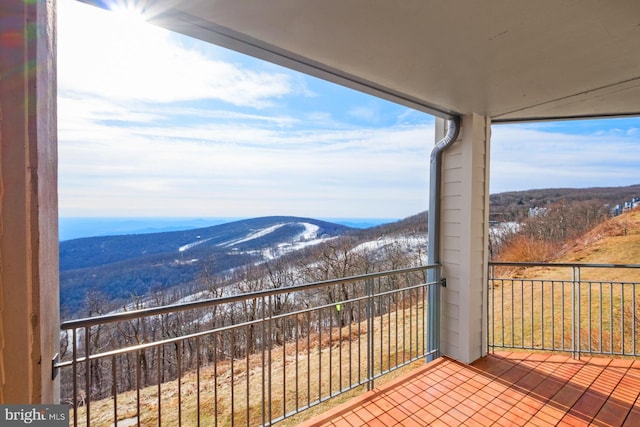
x=271, y=355
x=388, y=51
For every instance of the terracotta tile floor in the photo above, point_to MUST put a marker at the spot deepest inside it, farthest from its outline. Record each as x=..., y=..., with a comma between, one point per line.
x=502, y=389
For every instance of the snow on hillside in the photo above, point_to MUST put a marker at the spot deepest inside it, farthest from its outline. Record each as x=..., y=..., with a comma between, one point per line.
x=503, y=229
x=310, y=232
x=373, y=249
x=308, y=237
x=252, y=236
x=191, y=245
x=380, y=248
x=403, y=242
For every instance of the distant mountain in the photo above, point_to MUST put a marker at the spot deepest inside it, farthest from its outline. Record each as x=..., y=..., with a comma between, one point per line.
x=121, y=266
x=361, y=222
x=78, y=227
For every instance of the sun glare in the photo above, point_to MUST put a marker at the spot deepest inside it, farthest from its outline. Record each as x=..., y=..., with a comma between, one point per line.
x=131, y=13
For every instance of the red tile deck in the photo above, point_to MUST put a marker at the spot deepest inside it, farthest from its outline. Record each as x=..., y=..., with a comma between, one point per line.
x=502, y=389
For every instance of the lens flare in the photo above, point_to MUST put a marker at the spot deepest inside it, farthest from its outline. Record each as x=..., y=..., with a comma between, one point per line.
x=130, y=12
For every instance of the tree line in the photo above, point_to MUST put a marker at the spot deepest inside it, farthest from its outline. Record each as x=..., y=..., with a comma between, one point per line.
x=540, y=236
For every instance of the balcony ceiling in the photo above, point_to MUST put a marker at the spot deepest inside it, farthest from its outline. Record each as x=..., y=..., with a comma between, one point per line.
x=511, y=60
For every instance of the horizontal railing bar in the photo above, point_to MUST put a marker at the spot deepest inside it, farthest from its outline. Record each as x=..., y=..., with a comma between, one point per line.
x=548, y=281
x=170, y=309
x=333, y=304
x=543, y=264
x=397, y=291
x=173, y=340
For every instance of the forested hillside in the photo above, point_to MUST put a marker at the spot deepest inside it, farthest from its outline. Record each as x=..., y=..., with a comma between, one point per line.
x=121, y=268
x=515, y=205
x=105, y=273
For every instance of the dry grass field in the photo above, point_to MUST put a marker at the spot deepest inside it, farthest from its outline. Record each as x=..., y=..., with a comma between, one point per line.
x=544, y=307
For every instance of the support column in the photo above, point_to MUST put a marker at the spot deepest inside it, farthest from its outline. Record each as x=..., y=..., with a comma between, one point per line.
x=29, y=302
x=464, y=240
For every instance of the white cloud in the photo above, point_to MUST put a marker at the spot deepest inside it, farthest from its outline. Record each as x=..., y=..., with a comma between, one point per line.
x=100, y=56
x=223, y=115
x=523, y=157
x=233, y=169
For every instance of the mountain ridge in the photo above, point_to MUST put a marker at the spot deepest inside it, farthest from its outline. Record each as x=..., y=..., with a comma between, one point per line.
x=101, y=250
x=134, y=264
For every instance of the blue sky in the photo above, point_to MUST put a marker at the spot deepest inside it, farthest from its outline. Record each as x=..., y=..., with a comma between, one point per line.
x=152, y=123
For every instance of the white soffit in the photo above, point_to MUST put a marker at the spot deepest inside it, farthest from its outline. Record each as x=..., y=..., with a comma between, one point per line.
x=508, y=59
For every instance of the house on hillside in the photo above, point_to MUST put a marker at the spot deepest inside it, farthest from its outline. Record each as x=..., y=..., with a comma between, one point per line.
x=625, y=207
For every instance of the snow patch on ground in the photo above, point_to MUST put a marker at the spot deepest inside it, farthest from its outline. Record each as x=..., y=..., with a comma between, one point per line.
x=503, y=229
x=186, y=261
x=404, y=241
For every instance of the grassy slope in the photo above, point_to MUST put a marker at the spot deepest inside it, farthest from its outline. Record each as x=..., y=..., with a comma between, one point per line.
x=615, y=241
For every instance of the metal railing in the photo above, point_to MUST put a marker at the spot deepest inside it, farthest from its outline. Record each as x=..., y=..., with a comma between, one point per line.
x=576, y=308
x=245, y=359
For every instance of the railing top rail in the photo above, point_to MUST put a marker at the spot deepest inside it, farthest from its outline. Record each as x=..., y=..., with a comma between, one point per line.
x=552, y=264
x=173, y=308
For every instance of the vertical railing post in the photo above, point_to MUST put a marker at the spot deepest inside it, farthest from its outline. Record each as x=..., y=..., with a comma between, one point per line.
x=578, y=284
x=263, y=359
x=433, y=314
x=74, y=366
x=370, y=338
x=87, y=373
x=490, y=312
x=575, y=311
x=633, y=319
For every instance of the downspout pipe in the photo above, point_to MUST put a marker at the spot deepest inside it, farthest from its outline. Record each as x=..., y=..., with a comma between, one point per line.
x=453, y=130
x=433, y=248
